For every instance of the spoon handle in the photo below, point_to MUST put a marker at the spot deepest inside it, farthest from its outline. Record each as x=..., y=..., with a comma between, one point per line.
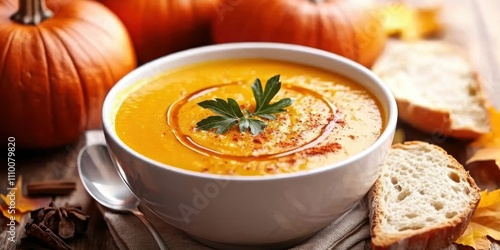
x=152, y=230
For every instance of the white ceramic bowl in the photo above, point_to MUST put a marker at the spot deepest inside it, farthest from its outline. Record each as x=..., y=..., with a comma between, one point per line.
x=256, y=210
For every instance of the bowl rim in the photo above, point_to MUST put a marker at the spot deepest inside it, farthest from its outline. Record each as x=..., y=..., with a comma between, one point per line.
x=146, y=69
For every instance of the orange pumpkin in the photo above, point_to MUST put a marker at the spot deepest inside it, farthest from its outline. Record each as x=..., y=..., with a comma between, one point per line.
x=57, y=63
x=344, y=27
x=160, y=27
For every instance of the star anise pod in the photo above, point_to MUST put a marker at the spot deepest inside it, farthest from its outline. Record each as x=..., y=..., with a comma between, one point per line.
x=64, y=221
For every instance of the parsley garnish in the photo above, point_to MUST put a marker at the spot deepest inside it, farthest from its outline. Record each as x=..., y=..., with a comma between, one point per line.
x=231, y=114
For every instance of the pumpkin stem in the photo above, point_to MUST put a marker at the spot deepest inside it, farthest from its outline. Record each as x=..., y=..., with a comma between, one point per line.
x=31, y=12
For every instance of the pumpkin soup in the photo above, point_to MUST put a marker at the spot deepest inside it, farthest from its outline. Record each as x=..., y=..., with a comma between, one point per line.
x=330, y=119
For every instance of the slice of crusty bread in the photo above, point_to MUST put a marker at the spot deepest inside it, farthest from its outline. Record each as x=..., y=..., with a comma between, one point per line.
x=423, y=199
x=435, y=86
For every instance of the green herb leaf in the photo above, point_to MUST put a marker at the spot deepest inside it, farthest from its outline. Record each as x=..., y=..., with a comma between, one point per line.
x=256, y=126
x=222, y=107
x=221, y=123
x=262, y=99
x=276, y=107
x=231, y=113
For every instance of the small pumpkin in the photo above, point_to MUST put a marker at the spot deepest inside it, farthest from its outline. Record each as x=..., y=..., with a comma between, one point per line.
x=345, y=27
x=58, y=59
x=161, y=27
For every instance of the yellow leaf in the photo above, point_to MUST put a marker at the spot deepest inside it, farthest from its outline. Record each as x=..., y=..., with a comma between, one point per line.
x=399, y=136
x=491, y=139
x=484, y=222
x=410, y=22
x=16, y=205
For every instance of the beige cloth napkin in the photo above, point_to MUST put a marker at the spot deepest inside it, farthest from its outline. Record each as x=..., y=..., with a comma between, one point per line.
x=352, y=231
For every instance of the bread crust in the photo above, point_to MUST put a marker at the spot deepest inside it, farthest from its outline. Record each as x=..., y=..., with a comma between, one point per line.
x=437, y=237
x=433, y=121
x=439, y=121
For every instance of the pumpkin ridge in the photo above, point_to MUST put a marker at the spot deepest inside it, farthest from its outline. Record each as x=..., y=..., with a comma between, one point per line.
x=354, y=40
x=83, y=118
x=4, y=126
x=337, y=32
x=94, y=8
x=49, y=84
x=287, y=15
x=261, y=36
x=95, y=48
x=108, y=64
x=87, y=21
x=106, y=55
x=319, y=33
x=106, y=70
x=324, y=23
x=197, y=17
x=192, y=13
x=138, y=41
x=306, y=18
x=6, y=51
x=82, y=83
x=11, y=4
x=196, y=12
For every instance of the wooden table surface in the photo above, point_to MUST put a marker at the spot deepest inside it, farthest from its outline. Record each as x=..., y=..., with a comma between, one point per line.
x=472, y=24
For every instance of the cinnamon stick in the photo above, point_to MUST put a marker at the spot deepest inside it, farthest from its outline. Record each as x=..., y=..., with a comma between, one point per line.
x=50, y=188
x=46, y=236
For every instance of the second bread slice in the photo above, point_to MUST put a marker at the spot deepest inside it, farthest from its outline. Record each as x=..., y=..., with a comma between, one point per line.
x=435, y=86
x=423, y=199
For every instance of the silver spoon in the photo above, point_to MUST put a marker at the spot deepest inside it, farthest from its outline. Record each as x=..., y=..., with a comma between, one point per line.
x=103, y=183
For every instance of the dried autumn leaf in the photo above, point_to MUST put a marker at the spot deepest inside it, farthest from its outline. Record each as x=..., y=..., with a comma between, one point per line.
x=486, y=174
x=15, y=204
x=486, y=154
x=484, y=222
x=487, y=150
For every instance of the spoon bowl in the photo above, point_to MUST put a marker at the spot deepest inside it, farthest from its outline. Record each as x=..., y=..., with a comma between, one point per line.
x=100, y=178
x=102, y=181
